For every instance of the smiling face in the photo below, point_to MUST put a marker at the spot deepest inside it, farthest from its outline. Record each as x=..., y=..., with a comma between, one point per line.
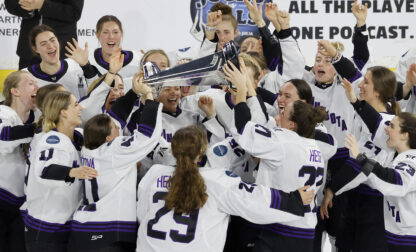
x=47, y=46
x=73, y=113
x=287, y=94
x=225, y=32
x=323, y=69
x=26, y=90
x=393, y=131
x=367, y=91
x=110, y=37
x=169, y=97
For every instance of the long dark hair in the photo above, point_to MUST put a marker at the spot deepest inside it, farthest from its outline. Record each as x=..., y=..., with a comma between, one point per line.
x=187, y=189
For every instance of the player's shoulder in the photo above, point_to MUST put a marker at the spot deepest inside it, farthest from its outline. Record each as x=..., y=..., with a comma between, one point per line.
x=55, y=139
x=218, y=179
x=7, y=113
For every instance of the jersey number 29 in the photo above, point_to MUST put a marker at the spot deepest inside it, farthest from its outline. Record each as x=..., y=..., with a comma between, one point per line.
x=190, y=221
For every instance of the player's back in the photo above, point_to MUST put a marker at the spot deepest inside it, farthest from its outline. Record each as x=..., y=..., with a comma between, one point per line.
x=203, y=229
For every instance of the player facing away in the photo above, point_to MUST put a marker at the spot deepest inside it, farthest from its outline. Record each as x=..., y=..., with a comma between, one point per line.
x=186, y=208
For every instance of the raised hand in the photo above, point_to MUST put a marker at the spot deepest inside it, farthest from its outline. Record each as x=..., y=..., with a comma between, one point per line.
x=307, y=196
x=327, y=49
x=31, y=5
x=349, y=90
x=214, y=18
x=116, y=61
x=284, y=19
x=411, y=75
x=360, y=13
x=76, y=53
x=235, y=76
x=351, y=144
x=206, y=104
x=256, y=12
x=83, y=172
x=138, y=86
x=271, y=12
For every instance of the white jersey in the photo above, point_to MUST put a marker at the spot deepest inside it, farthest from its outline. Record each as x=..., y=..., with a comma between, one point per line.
x=51, y=197
x=109, y=208
x=224, y=107
x=340, y=113
x=287, y=162
x=374, y=144
x=131, y=65
x=203, y=229
x=173, y=122
x=292, y=67
x=13, y=133
x=31, y=158
x=70, y=76
x=228, y=155
x=94, y=103
x=399, y=190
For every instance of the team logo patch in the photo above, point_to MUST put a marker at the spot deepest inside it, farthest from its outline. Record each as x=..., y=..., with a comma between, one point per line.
x=230, y=174
x=53, y=139
x=220, y=150
x=246, y=26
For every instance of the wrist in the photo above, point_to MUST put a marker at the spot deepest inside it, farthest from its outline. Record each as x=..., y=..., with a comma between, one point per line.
x=260, y=23
x=284, y=27
x=71, y=173
x=276, y=25
x=111, y=72
x=360, y=24
x=336, y=58
x=210, y=28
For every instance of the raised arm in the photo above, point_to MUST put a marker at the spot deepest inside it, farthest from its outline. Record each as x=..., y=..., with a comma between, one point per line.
x=361, y=54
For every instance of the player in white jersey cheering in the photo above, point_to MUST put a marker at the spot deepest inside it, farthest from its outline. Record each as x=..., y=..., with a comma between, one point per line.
x=186, y=208
x=109, y=32
x=107, y=217
x=51, y=69
x=52, y=193
x=289, y=157
x=16, y=128
x=397, y=182
x=362, y=215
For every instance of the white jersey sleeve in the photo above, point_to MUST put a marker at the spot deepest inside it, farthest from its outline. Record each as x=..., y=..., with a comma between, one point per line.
x=207, y=48
x=256, y=203
x=128, y=149
x=404, y=63
x=293, y=61
x=52, y=159
x=398, y=180
x=93, y=103
x=258, y=113
x=261, y=142
x=12, y=131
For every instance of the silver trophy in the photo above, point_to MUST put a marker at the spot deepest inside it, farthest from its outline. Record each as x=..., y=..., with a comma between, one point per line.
x=205, y=71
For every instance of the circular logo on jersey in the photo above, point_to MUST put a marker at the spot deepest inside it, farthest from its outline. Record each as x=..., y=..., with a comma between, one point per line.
x=246, y=26
x=220, y=150
x=230, y=174
x=53, y=139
